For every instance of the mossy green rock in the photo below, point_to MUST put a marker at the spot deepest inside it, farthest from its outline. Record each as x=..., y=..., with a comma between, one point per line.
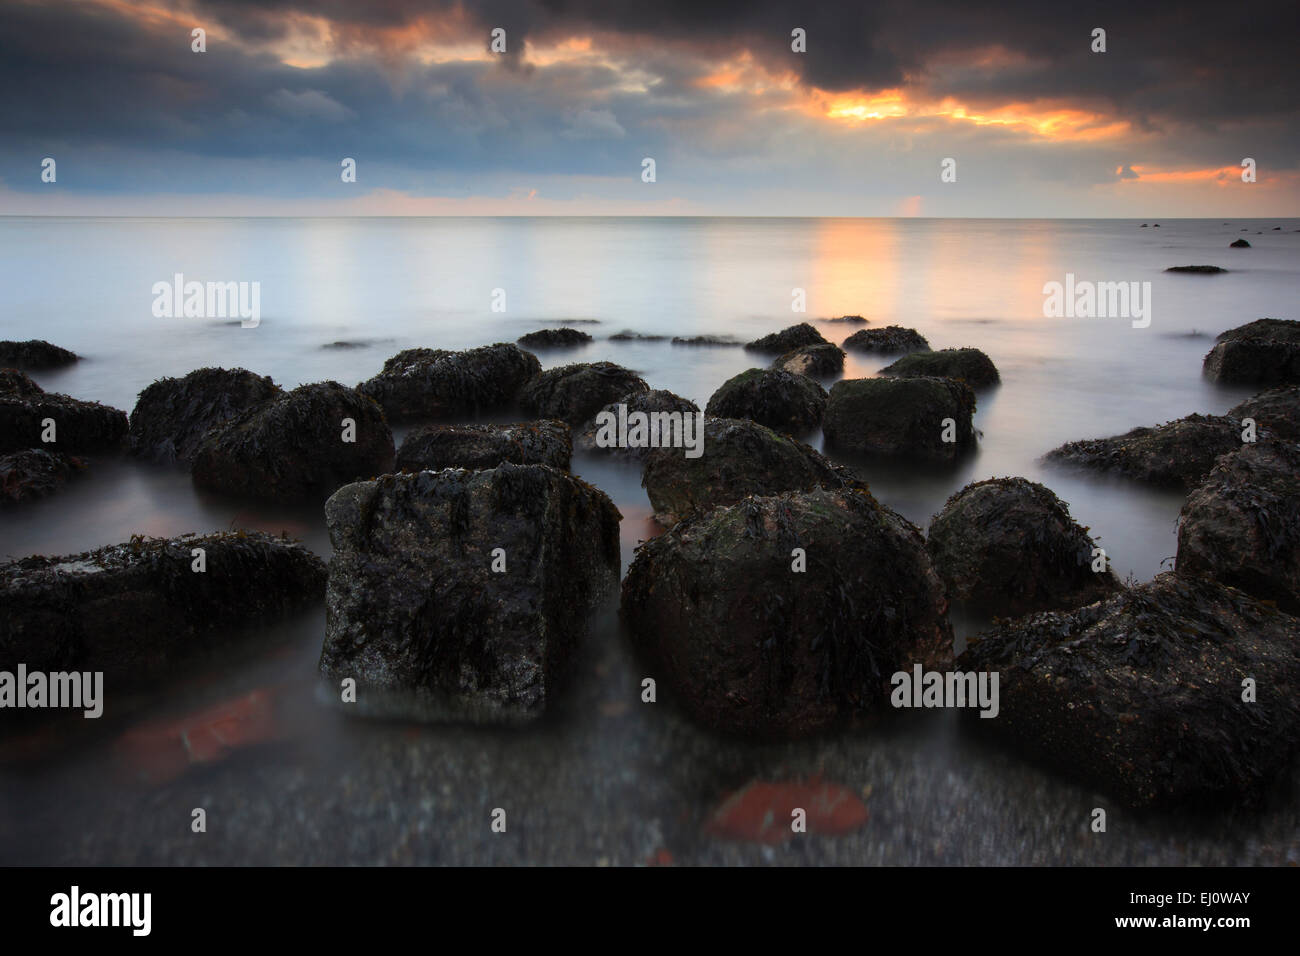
x=781, y=400
x=902, y=417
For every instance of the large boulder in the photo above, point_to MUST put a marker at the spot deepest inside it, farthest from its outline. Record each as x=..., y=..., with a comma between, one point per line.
x=79, y=426
x=796, y=336
x=902, y=417
x=820, y=361
x=554, y=338
x=34, y=354
x=575, y=393
x=1276, y=410
x=740, y=458
x=965, y=365
x=293, y=447
x=435, y=383
x=436, y=447
x=1009, y=546
x=749, y=645
x=654, y=402
x=1242, y=526
x=892, y=338
x=1177, y=454
x=1140, y=695
x=172, y=415
x=781, y=400
x=136, y=610
x=418, y=616
x=34, y=473
x=1263, y=352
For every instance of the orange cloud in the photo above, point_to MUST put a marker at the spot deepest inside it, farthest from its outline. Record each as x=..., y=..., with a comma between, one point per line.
x=1222, y=176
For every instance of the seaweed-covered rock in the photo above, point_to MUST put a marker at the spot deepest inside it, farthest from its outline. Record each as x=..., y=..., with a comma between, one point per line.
x=34, y=354
x=890, y=339
x=965, y=365
x=787, y=340
x=436, y=447
x=420, y=612
x=554, y=338
x=781, y=400
x=172, y=415
x=1242, y=527
x=627, y=335
x=434, y=383
x=705, y=340
x=1276, y=410
x=1198, y=270
x=1263, y=352
x=1140, y=695
x=79, y=426
x=293, y=447
x=740, y=458
x=820, y=361
x=135, y=610
x=1009, y=546
x=1176, y=454
x=750, y=647
x=847, y=320
x=654, y=402
x=575, y=393
x=34, y=473
x=1239, y=244
x=903, y=417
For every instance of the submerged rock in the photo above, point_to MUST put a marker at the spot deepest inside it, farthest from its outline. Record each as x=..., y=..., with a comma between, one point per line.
x=1263, y=352
x=1242, y=526
x=435, y=447
x=1201, y=270
x=172, y=415
x=848, y=320
x=554, y=338
x=79, y=426
x=892, y=338
x=1239, y=243
x=1140, y=695
x=416, y=613
x=750, y=647
x=796, y=336
x=35, y=473
x=1276, y=410
x=1009, y=546
x=965, y=365
x=1177, y=454
x=781, y=400
x=820, y=361
x=574, y=393
x=656, y=401
x=903, y=417
x=705, y=340
x=627, y=335
x=34, y=354
x=433, y=383
x=293, y=447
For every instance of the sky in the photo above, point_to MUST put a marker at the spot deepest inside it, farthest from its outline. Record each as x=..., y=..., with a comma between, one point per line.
x=1036, y=122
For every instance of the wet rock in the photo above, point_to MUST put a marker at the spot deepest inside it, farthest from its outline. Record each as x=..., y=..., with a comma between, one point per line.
x=655, y=401
x=136, y=610
x=1202, y=270
x=79, y=427
x=904, y=417
x=35, y=473
x=892, y=338
x=292, y=448
x=787, y=340
x=848, y=320
x=781, y=400
x=629, y=336
x=172, y=415
x=761, y=811
x=34, y=354
x=574, y=393
x=965, y=365
x=1276, y=410
x=416, y=614
x=1263, y=352
x=1239, y=243
x=817, y=361
x=1177, y=454
x=434, y=383
x=705, y=340
x=1140, y=695
x=436, y=447
x=1009, y=546
x=1242, y=526
x=747, y=648
x=554, y=338
x=740, y=458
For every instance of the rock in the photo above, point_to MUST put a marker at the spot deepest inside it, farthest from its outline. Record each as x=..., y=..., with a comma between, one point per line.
x=436, y=447
x=1205, y=270
x=34, y=354
x=1277, y=410
x=1242, y=526
x=433, y=383
x=965, y=365
x=34, y=473
x=172, y=415
x=292, y=449
x=136, y=610
x=848, y=320
x=629, y=336
x=761, y=811
x=1010, y=547
x=656, y=400
x=705, y=340
x=796, y=336
x=904, y=417
x=416, y=614
x=741, y=457
x=1177, y=454
x=574, y=393
x=554, y=338
x=1140, y=695
x=1239, y=243
x=773, y=397
x=892, y=338
x=747, y=650
x=815, y=361
x=1263, y=352
x=79, y=427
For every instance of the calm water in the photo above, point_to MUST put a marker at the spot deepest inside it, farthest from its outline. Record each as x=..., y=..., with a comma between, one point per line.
x=383, y=285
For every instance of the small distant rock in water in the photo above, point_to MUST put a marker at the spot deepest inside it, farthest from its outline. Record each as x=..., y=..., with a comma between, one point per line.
x=655, y=401
x=965, y=365
x=1239, y=244
x=574, y=322
x=1277, y=228
x=890, y=339
x=35, y=473
x=628, y=335
x=435, y=447
x=1207, y=270
x=705, y=340
x=346, y=344
x=796, y=336
x=815, y=361
x=1144, y=225
x=848, y=320
x=34, y=354
x=1263, y=352
x=781, y=400
x=574, y=393
x=902, y=418
x=1277, y=411
x=172, y=415
x=554, y=338
x=434, y=383
x=1156, y=225
x=79, y=427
